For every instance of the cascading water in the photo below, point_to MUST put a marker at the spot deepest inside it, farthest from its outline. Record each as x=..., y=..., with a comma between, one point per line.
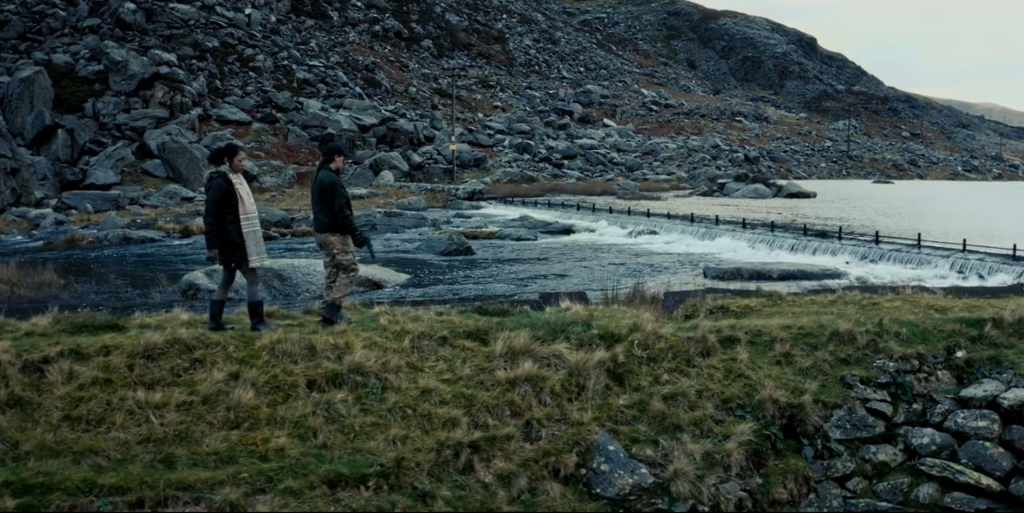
x=978, y=266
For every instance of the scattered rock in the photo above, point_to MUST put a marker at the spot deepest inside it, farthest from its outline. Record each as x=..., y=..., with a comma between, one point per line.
x=852, y=422
x=775, y=271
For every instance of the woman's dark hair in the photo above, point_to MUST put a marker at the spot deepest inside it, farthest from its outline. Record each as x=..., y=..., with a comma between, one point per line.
x=332, y=150
x=227, y=152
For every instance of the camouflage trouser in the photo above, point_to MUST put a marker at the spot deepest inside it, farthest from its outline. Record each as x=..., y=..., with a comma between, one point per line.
x=339, y=263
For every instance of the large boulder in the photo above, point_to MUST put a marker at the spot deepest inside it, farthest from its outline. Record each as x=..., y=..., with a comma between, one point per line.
x=99, y=201
x=795, y=190
x=29, y=93
x=287, y=280
x=391, y=161
x=104, y=170
x=185, y=162
x=753, y=191
x=125, y=68
x=452, y=244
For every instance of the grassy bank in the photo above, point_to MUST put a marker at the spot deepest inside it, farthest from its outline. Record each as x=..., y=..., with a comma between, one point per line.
x=441, y=409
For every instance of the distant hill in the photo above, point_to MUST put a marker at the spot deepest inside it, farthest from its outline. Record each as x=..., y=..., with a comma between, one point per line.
x=988, y=110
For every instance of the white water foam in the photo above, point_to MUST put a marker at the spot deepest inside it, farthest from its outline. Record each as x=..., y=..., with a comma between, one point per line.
x=865, y=264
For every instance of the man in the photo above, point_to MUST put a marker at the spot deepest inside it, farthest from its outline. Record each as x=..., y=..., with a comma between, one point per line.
x=337, y=235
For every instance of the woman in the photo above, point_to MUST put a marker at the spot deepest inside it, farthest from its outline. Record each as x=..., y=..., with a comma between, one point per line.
x=233, y=234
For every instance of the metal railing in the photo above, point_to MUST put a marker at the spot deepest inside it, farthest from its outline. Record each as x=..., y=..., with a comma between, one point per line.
x=804, y=229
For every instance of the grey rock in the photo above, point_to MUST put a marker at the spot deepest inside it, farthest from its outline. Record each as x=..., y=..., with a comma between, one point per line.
x=227, y=113
x=866, y=505
x=516, y=234
x=772, y=271
x=1011, y=402
x=892, y=491
x=169, y=196
x=888, y=454
x=100, y=201
x=982, y=393
x=927, y=494
x=185, y=162
x=959, y=475
x=911, y=413
x=852, y=422
x=864, y=393
x=125, y=68
x=833, y=469
x=155, y=168
x=214, y=140
x=753, y=191
x=123, y=237
x=611, y=475
x=153, y=138
x=463, y=205
x=1013, y=437
x=986, y=457
x=112, y=221
x=271, y=217
x=958, y=501
x=28, y=91
x=391, y=162
x=828, y=496
x=1017, y=487
x=452, y=244
x=927, y=442
x=795, y=190
x=413, y=204
x=974, y=424
x=104, y=170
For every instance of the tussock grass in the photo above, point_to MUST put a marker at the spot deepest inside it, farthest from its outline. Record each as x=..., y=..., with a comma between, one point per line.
x=474, y=408
x=21, y=281
x=592, y=188
x=186, y=230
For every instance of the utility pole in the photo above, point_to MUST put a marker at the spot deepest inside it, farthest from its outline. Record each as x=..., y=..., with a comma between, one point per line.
x=453, y=146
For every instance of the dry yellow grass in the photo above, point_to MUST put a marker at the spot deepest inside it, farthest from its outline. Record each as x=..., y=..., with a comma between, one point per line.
x=26, y=281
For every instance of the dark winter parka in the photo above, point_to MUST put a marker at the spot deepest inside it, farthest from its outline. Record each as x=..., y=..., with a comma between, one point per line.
x=222, y=222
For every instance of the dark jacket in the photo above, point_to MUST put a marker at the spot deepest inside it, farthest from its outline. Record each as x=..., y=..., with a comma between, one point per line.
x=221, y=220
x=332, y=209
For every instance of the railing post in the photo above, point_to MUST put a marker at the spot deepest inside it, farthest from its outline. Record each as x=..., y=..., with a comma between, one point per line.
x=1014, y=252
x=840, y=233
x=629, y=211
x=876, y=237
x=648, y=213
x=805, y=228
x=744, y=223
x=668, y=215
x=965, y=246
x=563, y=205
x=773, y=226
x=692, y=220
x=593, y=207
x=716, y=218
x=918, y=240
x=610, y=209
x=577, y=206
x=549, y=203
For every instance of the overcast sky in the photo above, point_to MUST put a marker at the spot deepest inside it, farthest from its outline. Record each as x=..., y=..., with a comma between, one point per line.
x=971, y=50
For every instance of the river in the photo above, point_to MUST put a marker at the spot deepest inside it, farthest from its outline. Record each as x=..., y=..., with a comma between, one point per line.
x=604, y=256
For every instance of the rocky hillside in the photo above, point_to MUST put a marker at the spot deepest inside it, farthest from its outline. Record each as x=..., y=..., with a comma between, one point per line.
x=105, y=95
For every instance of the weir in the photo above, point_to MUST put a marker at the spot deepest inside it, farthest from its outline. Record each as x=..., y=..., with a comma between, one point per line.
x=851, y=249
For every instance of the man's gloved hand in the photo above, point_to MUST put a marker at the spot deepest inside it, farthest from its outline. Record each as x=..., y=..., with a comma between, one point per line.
x=211, y=256
x=360, y=241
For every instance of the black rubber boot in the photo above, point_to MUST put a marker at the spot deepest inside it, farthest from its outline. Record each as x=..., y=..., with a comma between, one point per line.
x=332, y=314
x=256, y=319
x=217, y=316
